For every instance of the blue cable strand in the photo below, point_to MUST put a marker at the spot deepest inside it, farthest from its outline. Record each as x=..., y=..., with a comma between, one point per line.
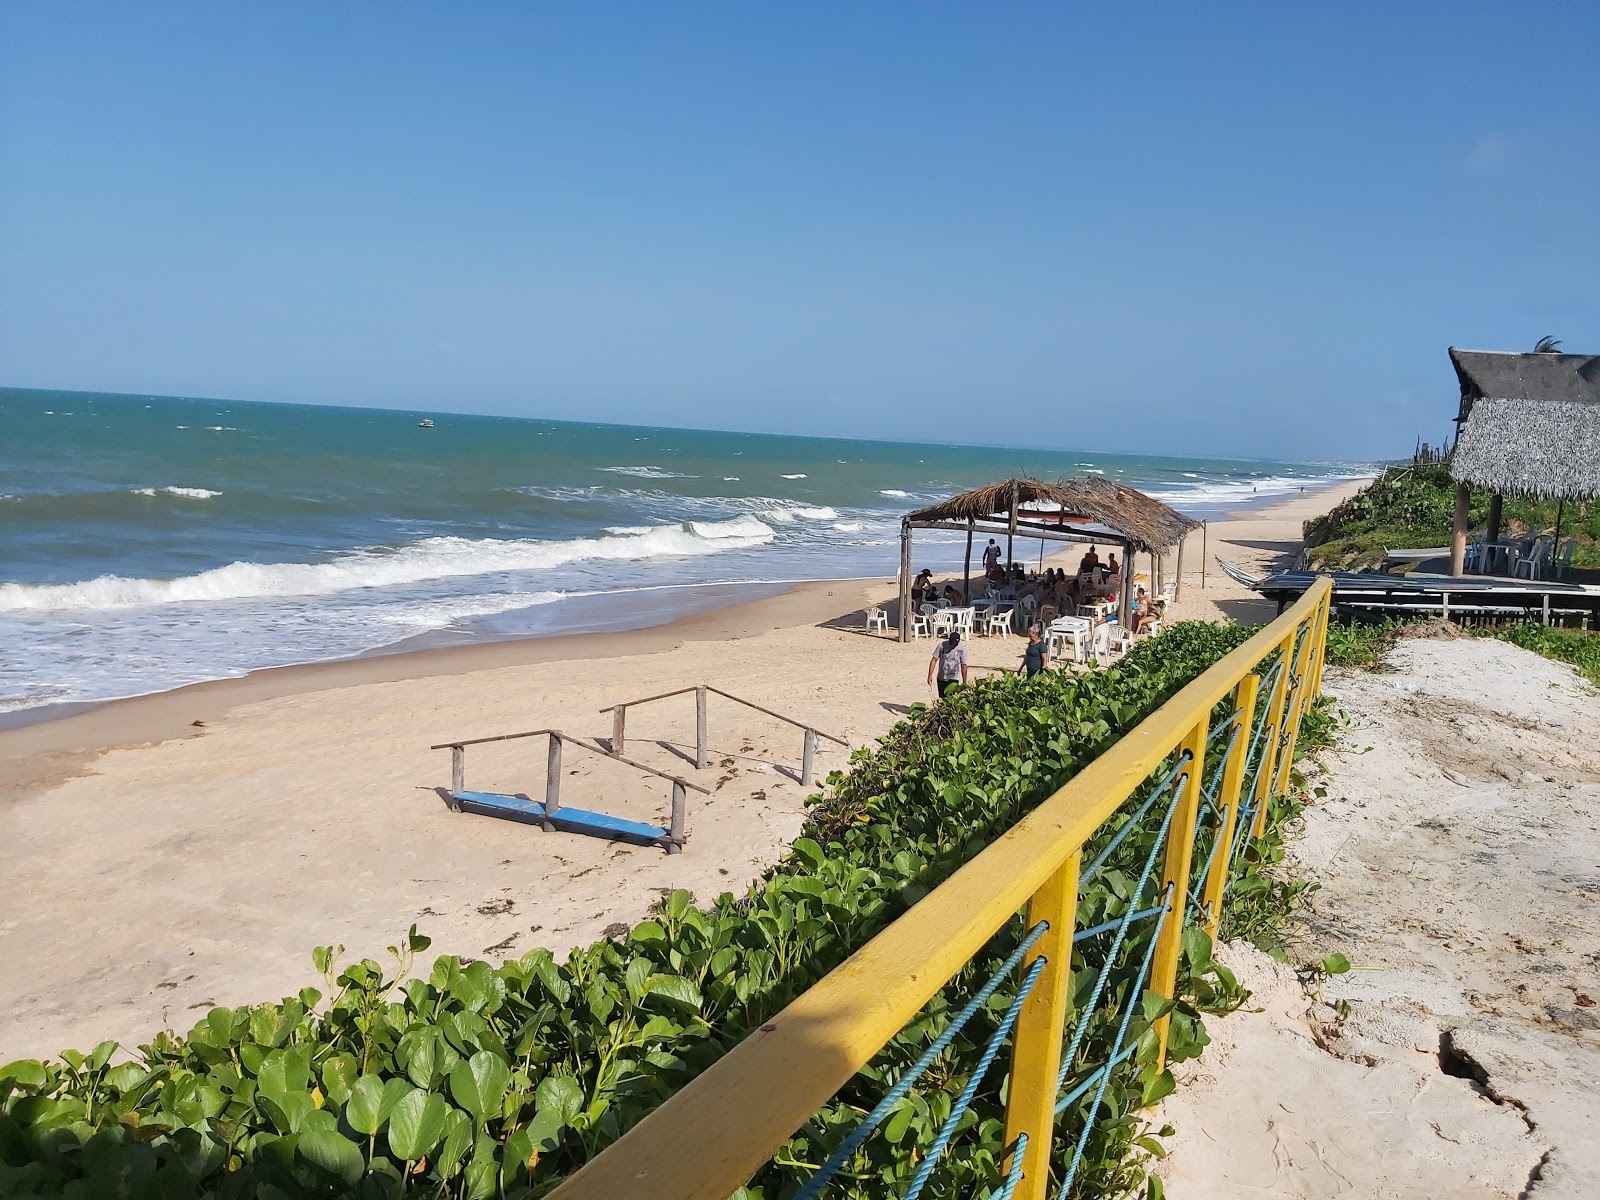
x=1122, y=932
x=824, y=1174
x=1089, y=1081
x=947, y=1130
x=1084, y=935
x=1134, y=996
x=1128, y=826
x=1013, y=1176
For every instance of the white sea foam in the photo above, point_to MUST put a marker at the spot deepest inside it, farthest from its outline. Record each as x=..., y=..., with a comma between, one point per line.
x=187, y=493
x=730, y=479
x=848, y=526
x=648, y=473
x=433, y=558
x=789, y=514
x=795, y=476
x=894, y=493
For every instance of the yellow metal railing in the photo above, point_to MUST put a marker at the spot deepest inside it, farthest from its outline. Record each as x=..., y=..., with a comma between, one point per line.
x=709, y=1139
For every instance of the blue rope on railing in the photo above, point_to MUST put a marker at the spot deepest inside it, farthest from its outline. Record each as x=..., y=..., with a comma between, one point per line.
x=1134, y=995
x=1090, y=1079
x=1122, y=932
x=1132, y=822
x=1084, y=935
x=1198, y=889
x=1014, y=1175
x=947, y=1130
x=825, y=1173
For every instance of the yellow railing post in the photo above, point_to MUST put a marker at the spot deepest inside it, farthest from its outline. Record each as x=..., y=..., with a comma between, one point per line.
x=1300, y=704
x=1228, y=801
x=1322, y=646
x=1041, y=1025
x=1175, y=874
x=1261, y=795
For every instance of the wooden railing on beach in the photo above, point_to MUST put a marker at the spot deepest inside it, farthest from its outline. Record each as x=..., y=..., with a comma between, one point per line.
x=808, y=750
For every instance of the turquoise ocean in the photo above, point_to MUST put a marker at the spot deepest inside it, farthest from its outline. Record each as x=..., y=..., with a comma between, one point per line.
x=149, y=541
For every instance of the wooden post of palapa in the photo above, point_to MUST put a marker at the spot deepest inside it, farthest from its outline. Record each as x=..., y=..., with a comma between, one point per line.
x=679, y=802
x=619, y=719
x=966, y=572
x=1458, y=536
x=808, y=756
x=905, y=581
x=552, y=783
x=458, y=768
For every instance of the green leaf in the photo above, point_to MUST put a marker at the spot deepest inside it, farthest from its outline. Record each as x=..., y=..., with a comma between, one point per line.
x=456, y=1139
x=1336, y=964
x=339, y=1076
x=417, y=1124
x=479, y=1084
x=371, y=1101
x=675, y=991
x=648, y=933
x=333, y=1153
x=25, y=1072
x=1157, y=1088
x=560, y=1094
x=679, y=903
x=544, y=1130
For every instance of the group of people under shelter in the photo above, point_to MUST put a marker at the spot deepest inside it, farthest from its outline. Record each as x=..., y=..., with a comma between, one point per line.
x=1051, y=591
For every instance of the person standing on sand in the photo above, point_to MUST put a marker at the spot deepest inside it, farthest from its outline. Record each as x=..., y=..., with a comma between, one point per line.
x=991, y=557
x=1036, y=657
x=949, y=661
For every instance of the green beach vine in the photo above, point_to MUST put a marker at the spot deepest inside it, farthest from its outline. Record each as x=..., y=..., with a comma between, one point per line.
x=473, y=1081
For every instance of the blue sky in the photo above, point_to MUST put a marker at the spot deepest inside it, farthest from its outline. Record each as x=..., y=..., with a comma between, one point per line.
x=1244, y=228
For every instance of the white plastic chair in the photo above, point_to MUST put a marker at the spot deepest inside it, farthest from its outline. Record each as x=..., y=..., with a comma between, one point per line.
x=1533, y=560
x=998, y=621
x=964, y=618
x=922, y=621
x=877, y=619
x=1563, y=559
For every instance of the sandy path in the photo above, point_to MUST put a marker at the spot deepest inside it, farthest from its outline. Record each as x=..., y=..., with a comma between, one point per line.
x=1456, y=854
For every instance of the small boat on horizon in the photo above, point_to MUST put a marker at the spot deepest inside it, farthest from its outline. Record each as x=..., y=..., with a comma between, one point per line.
x=425, y=423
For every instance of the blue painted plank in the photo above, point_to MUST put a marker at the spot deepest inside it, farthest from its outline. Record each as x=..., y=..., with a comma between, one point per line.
x=578, y=820
x=493, y=804
x=572, y=820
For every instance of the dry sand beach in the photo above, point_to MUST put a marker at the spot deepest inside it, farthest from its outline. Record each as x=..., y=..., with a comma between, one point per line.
x=187, y=849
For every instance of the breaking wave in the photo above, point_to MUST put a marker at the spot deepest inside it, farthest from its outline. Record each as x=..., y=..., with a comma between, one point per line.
x=432, y=558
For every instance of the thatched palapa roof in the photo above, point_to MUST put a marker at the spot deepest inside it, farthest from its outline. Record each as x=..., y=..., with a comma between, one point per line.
x=1147, y=524
x=1529, y=423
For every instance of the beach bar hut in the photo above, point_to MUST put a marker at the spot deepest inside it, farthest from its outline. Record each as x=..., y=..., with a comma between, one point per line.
x=1091, y=509
x=1528, y=426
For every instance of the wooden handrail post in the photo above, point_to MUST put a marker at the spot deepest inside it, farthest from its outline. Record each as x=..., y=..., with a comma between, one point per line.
x=700, y=759
x=552, y=783
x=680, y=801
x=1261, y=793
x=1175, y=875
x=1037, y=1044
x=808, y=758
x=1228, y=802
x=619, y=721
x=458, y=768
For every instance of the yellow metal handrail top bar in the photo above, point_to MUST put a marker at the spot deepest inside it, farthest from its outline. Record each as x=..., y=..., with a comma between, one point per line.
x=705, y=1141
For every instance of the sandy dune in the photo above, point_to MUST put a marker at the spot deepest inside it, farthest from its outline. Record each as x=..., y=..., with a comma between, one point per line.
x=1457, y=855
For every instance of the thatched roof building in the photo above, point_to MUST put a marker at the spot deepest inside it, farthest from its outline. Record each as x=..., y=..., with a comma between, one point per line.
x=1529, y=424
x=1139, y=521
x=1086, y=510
